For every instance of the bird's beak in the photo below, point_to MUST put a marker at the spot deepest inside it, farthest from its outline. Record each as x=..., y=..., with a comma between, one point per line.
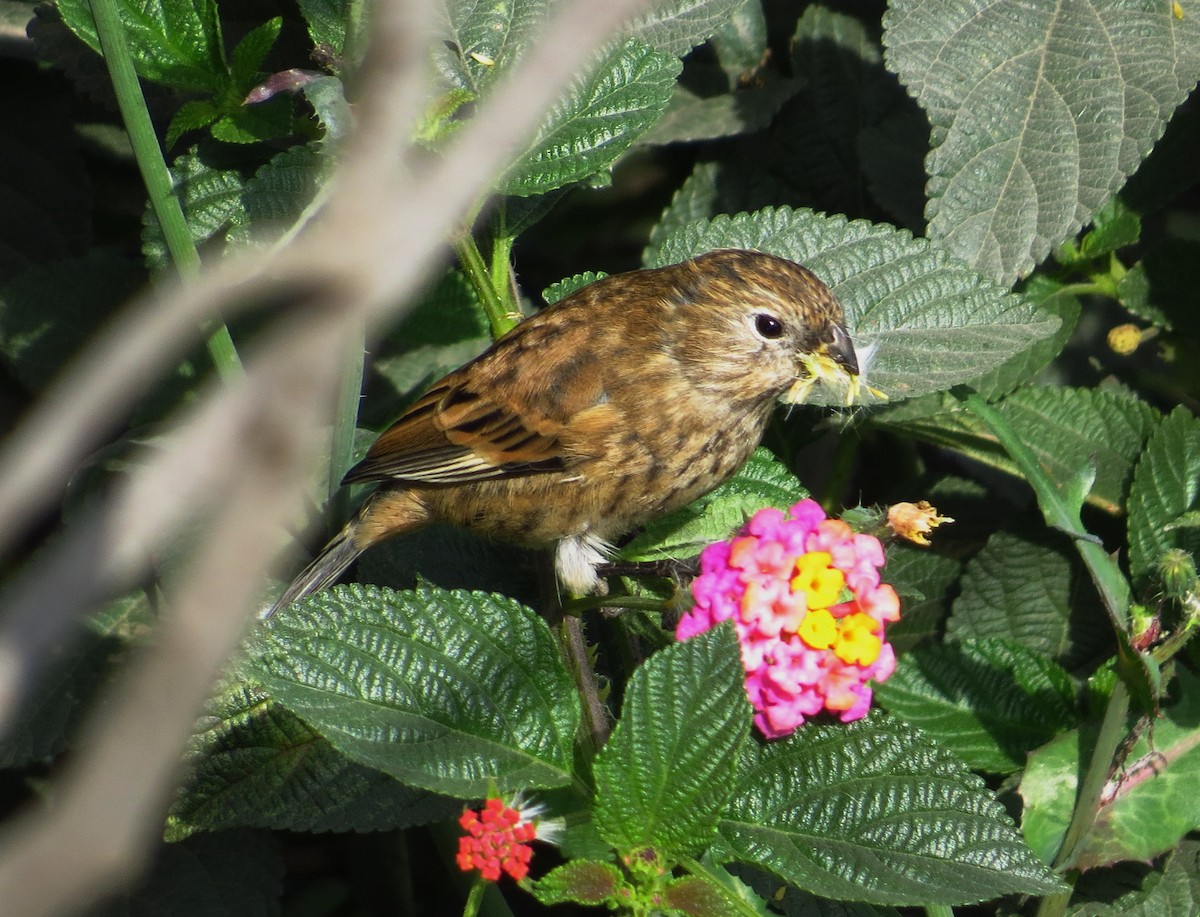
x=834, y=364
x=840, y=349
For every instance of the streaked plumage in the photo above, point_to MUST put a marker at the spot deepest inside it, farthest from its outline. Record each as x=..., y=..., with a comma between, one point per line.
x=626, y=400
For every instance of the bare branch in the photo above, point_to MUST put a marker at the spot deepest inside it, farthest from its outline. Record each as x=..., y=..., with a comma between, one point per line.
x=246, y=450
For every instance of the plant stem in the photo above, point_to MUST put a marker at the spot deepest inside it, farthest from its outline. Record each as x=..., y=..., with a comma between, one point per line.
x=576, y=606
x=595, y=714
x=1114, y=590
x=1112, y=733
x=155, y=175
x=488, y=902
x=471, y=908
x=939, y=910
x=502, y=279
x=500, y=318
x=1087, y=803
x=1110, y=582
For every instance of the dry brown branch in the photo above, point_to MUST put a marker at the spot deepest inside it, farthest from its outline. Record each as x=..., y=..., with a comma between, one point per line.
x=382, y=233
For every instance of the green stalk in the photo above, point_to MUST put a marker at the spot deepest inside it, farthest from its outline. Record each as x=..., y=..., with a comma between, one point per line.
x=577, y=605
x=489, y=901
x=1087, y=804
x=1115, y=592
x=501, y=272
x=939, y=910
x=842, y=470
x=153, y=168
x=1110, y=582
x=481, y=280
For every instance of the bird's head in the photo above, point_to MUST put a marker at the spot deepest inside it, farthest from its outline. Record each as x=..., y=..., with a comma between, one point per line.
x=773, y=323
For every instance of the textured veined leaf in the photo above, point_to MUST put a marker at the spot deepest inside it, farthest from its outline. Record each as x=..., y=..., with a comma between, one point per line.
x=457, y=692
x=597, y=120
x=873, y=811
x=1040, y=111
x=668, y=767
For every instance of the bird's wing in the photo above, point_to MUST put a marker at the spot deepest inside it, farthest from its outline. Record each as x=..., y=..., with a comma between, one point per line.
x=487, y=421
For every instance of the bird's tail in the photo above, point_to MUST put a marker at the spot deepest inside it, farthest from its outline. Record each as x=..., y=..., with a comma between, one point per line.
x=325, y=568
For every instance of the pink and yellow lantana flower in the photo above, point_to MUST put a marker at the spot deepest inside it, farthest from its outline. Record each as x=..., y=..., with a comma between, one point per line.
x=804, y=595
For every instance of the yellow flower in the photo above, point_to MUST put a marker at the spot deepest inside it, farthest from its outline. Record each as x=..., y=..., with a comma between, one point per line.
x=820, y=582
x=818, y=629
x=857, y=642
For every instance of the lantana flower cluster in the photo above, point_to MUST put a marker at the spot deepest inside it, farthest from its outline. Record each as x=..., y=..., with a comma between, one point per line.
x=497, y=839
x=804, y=594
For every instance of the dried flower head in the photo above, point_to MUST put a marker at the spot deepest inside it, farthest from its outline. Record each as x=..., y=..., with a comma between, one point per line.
x=914, y=521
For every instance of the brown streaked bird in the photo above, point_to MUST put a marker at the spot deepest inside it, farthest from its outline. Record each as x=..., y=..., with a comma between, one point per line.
x=624, y=401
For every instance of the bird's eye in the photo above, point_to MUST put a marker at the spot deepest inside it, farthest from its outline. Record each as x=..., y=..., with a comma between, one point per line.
x=768, y=326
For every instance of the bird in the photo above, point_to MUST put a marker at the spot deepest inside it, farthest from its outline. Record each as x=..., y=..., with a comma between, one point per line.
x=622, y=402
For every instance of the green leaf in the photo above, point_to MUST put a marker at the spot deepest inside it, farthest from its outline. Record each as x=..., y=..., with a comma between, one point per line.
x=1173, y=892
x=1052, y=298
x=741, y=43
x=278, y=193
x=600, y=116
x=816, y=137
x=872, y=811
x=458, y=692
x=1035, y=592
x=1166, y=484
x=445, y=328
x=1171, y=168
x=762, y=481
x=1039, y=111
x=48, y=311
x=1065, y=427
x=257, y=122
x=1161, y=288
x=177, y=43
x=690, y=117
x=452, y=558
x=581, y=882
x=669, y=765
x=1115, y=226
x=704, y=896
x=234, y=872
x=892, y=155
x=192, y=116
x=254, y=764
x=326, y=20
x=925, y=581
x=252, y=50
x=922, y=321
x=1147, y=806
x=327, y=96
x=209, y=185
x=60, y=698
x=795, y=902
x=990, y=702
x=676, y=26
x=484, y=40
x=569, y=285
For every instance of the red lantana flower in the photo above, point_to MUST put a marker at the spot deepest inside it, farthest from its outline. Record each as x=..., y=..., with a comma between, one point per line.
x=497, y=838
